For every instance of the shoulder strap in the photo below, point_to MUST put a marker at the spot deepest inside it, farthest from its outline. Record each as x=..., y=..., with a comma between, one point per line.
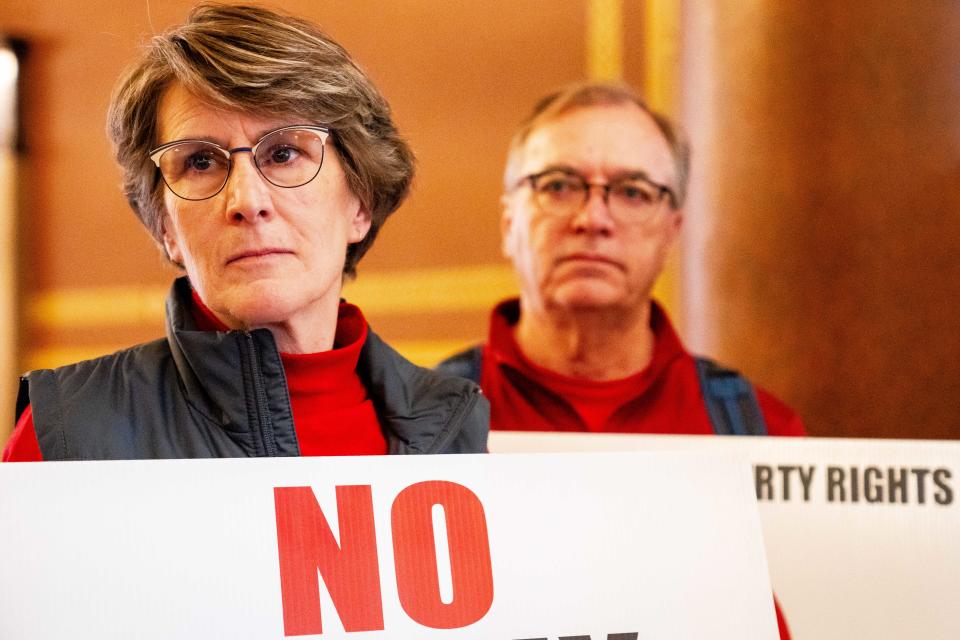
x=466, y=364
x=731, y=401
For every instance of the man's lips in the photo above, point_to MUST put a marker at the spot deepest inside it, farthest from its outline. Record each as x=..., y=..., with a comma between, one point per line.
x=253, y=254
x=587, y=259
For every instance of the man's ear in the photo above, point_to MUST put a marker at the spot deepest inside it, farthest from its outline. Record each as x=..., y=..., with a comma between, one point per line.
x=506, y=224
x=360, y=224
x=677, y=222
x=171, y=242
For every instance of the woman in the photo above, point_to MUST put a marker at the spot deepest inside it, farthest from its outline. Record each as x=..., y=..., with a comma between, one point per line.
x=264, y=162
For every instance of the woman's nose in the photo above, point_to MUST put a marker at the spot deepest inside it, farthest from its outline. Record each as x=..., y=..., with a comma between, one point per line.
x=248, y=193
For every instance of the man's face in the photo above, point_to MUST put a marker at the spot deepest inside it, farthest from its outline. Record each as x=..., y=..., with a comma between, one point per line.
x=591, y=259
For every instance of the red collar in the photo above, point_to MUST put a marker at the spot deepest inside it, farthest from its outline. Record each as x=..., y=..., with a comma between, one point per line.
x=327, y=372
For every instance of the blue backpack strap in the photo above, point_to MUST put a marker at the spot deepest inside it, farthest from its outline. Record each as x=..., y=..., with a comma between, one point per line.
x=466, y=364
x=731, y=401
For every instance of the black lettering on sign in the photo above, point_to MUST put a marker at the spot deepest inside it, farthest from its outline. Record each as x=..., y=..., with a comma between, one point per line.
x=633, y=635
x=891, y=485
x=835, y=484
x=897, y=485
x=762, y=477
x=806, y=479
x=854, y=485
x=944, y=493
x=784, y=482
x=873, y=484
x=785, y=471
x=921, y=475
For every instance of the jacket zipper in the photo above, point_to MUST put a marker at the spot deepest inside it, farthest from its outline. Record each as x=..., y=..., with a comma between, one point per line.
x=260, y=396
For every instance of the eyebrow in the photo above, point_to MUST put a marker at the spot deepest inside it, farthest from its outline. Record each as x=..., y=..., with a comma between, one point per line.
x=189, y=138
x=259, y=136
x=616, y=176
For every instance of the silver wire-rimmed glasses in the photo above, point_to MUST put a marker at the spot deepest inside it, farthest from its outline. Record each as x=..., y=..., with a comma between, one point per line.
x=563, y=192
x=287, y=157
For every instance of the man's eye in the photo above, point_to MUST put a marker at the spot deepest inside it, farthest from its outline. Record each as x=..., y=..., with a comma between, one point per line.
x=635, y=193
x=559, y=186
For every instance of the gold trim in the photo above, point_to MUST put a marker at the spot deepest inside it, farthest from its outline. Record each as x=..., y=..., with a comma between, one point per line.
x=662, y=55
x=98, y=307
x=605, y=39
x=450, y=289
x=661, y=68
x=53, y=357
x=453, y=289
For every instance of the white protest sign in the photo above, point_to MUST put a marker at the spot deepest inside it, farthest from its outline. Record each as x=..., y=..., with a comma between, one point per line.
x=863, y=536
x=616, y=547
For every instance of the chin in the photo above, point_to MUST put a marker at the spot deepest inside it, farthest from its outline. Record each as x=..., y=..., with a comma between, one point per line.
x=262, y=304
x=589, y=296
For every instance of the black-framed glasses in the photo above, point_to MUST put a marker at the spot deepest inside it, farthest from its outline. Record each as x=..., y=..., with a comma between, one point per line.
x=563, y=192
x=198, y=169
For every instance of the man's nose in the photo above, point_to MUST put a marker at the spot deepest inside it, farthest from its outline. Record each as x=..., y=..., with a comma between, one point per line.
x=247, y=190
x=594, y=216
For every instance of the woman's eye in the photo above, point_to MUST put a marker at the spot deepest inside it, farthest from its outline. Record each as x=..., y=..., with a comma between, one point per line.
x=282, y=155
x=201, y=161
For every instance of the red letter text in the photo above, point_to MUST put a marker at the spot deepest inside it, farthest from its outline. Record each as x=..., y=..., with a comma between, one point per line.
x=415, y=555
x=350, y=569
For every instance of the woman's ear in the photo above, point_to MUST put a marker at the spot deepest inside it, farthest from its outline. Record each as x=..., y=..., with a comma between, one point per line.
x=360, y=224
x=171, y=242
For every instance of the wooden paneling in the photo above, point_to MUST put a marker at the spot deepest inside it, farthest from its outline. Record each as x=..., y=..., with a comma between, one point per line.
x=823, y=231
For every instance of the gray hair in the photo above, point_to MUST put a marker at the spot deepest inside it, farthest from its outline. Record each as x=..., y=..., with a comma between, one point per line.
x=595, y=94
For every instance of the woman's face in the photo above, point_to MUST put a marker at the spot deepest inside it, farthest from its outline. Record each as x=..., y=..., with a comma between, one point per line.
x=260, y=255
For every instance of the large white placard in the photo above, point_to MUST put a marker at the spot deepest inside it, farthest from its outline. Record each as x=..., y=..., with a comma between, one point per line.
x=863, y=536
x=615, y=546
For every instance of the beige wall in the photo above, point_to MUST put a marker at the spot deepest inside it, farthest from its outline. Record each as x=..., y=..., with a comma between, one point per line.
x=762, y=257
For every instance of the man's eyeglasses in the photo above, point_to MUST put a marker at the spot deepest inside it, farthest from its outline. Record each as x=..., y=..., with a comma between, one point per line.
x=563, y=192
x=286, y=157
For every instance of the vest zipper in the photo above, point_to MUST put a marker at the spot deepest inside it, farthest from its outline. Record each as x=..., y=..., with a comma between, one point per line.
x=264, y=423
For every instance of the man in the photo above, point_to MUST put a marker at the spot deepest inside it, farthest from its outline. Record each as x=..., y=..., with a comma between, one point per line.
x=593, y=194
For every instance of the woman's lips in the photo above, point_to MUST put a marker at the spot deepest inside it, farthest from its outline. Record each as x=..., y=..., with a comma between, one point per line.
x=257, y=254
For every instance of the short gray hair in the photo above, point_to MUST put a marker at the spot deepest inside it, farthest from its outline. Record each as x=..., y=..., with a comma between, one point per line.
x=596, y=94
x=254, y=60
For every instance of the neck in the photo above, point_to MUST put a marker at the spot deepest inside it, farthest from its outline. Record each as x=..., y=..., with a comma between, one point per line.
x=592, y=345
x=311, y=331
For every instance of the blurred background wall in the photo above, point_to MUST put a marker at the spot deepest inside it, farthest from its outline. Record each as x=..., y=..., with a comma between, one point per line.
x=822, y=236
